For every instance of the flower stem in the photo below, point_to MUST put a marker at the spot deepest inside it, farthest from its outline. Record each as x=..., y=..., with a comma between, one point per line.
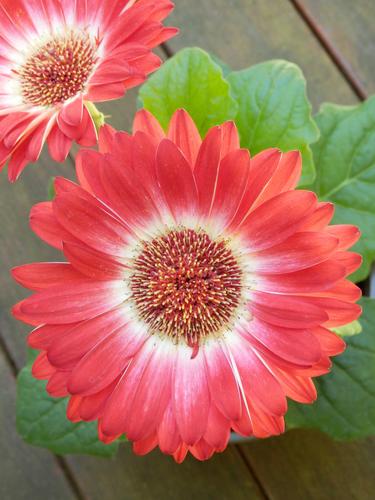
x=97, y=116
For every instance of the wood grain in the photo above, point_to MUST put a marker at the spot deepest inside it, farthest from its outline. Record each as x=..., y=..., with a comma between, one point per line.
x=156, y=476
x=308, y=465
x=25, y=472
x=349, y=27
x=244, y=32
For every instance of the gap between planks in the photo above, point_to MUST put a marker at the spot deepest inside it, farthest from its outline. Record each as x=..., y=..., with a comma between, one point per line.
x=71, y=480
x=338, y=60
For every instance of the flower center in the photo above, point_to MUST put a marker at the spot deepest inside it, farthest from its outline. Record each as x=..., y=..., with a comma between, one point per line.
x=58, y=70
x=186, y=285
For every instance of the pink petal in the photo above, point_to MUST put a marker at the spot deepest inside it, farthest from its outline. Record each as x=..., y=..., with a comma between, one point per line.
x=91, y=407
x=184, y=133
x=222, y=383
x=168, y=435
x=231, y=183
x=277, y=219
x=72, y=111
x=262, y=167
x=202, y=450
x=298, y=388
x=346, y=234
x=106, y=361
x=56, y=386
x=319, y=218
x=314, y=279
x=176, y=180
x=331, y=344
x=78, y=339
x=43, y=336
x=92, y=263
x=259, y=385
x=42, y=368
x=44, y=223
x=286, y=311
x=299, y=251
x=285, y=177
x=89, y=220
x=73, y=302
x=191, y=395
x=44, y=274
x=58, y=144
x=297, y=346
x=145, y=122
x=106, y=135
x=218, y=430
x=147, y=389
x=144, y=446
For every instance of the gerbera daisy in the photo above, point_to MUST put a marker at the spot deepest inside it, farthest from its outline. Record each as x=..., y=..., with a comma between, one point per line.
x=199, y=289
x=60, y=56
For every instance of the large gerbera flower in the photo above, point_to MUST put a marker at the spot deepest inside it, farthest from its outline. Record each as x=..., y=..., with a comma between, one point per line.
x=199, y=291
x=57, y=57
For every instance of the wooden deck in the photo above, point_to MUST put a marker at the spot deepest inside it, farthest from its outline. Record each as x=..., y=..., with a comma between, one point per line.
x=334, y=43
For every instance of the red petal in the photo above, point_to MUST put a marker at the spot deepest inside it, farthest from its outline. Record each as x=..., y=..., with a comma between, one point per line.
x=277, y=219
x=184, y=133
x=286, y=311
x=73, y=302
x=145, y=122
x=299, y=251
x=176, y=180
x=297, y=346
x=314, y=279
x=92, y=263
x=230, y=186
x=346, y=234
x=168, y=435
x=191, y=396
x=105, y=362
x=78, y=339
x=223, y=386
x=43, y=275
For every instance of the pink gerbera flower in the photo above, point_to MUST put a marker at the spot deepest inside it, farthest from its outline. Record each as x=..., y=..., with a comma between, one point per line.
x=199, y=290
x=59, y=56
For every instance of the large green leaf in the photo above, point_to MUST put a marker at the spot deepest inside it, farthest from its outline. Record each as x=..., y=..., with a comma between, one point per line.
x=345, y=162
x=41, y=421
x=346, y=397
x=274, y=110
x=193, y=81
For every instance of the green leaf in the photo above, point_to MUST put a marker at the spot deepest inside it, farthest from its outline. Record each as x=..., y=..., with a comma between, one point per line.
x=353, y=328
x=345, y=407
x=41, y=420
x=193, y=81
x=345, y=162
x=274, y=111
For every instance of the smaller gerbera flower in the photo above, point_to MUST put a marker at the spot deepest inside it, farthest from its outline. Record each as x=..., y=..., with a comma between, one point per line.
x=59, y=57
x=198, y=293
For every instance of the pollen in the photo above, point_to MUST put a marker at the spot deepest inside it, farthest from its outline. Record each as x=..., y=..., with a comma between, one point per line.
x=57, y=70
x=186, y=286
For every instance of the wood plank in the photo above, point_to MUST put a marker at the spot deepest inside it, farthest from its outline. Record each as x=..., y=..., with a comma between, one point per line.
x=308, y=465
x=19, y=245
x=25, y=472
x=244, y=32
x=349, y=28
x=224, y=477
